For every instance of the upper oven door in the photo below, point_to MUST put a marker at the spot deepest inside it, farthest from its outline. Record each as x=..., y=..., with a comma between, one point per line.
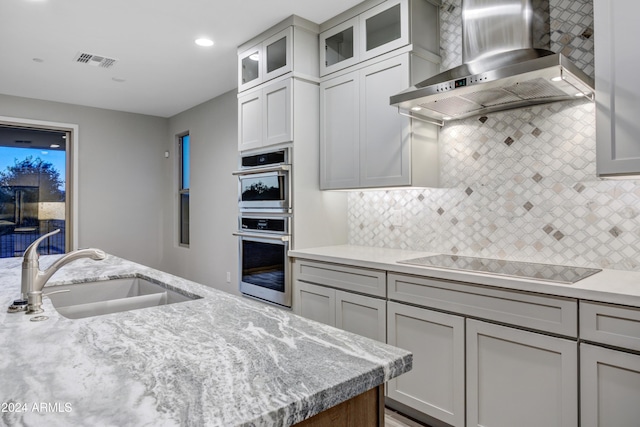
x=264, y=190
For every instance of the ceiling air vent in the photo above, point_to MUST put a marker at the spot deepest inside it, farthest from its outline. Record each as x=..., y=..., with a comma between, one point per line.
x=94, y=60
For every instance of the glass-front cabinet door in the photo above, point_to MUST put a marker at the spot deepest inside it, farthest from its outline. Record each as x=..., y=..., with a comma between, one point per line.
x=339, y=47
x=384, y=28
x=250, y=73
x=278, y=58
x=265, y=61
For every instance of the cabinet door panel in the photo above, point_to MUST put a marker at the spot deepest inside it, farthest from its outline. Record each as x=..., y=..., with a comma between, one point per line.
x=316, y=303
x=277, y=113
x=250, y=68
x=361, y=315
x=277, y=54
x=339, y=47
x=250, y=120
x=435, y=385
x=339, y=132
x=385, y=148
x=617, y=93
x=519, y=378
x=384, y=28
x=609, y=387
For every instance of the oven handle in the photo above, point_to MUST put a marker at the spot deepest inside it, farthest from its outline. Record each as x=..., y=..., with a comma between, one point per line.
x=284, y=238
x=278, y=168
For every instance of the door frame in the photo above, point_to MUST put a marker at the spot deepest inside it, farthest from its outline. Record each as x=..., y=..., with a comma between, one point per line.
x=71, y=178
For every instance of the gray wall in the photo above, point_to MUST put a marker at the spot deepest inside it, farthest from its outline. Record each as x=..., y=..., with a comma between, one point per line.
x=120, y=166
x=213, y=195
x=128, y=189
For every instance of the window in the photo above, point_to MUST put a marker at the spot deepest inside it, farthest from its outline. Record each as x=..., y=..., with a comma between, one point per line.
x=33, y=189
x=185, y=171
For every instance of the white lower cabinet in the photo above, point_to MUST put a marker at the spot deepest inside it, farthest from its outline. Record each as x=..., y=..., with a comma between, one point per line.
x=316, y=302
x=609, y=378
x=609, y=387
x=360, y=314
x=485, y=356
x=520, y=378
x=435, y=385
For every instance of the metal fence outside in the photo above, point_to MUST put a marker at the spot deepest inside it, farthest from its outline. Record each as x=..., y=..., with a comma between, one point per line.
x=14, y=241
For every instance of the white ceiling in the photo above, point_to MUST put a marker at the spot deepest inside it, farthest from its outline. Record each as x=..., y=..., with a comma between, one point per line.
x=165, y=73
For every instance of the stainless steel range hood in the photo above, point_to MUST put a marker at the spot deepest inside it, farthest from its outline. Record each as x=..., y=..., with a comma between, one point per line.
x=506, y=65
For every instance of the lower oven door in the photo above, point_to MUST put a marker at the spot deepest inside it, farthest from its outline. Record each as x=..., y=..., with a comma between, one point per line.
x=265, y=268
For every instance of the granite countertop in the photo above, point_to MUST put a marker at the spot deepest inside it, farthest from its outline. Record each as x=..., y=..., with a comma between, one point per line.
x=219, y=360
x=608, y=286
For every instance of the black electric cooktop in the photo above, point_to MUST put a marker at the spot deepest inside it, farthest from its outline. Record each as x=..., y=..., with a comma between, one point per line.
x=527, y=270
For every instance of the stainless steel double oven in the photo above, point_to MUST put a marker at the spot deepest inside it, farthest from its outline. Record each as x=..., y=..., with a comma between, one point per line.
x=264, y=226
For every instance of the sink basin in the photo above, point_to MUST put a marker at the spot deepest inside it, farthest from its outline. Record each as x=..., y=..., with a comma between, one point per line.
x=112, y=296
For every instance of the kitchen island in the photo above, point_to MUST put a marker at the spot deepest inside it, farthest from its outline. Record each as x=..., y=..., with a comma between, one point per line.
x=217, y=360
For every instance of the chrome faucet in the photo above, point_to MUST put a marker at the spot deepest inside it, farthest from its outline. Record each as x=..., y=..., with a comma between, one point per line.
x=34, y=279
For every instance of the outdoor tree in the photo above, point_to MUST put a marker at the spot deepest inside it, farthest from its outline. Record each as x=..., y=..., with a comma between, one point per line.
x=23, y=186
x=34, y=173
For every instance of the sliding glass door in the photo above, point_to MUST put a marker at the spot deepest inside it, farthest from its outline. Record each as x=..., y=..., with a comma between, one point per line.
x=33, y=189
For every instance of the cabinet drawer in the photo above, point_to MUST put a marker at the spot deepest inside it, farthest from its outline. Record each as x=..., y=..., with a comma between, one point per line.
x=545, y=313
x=610, y=324
x=363, y=280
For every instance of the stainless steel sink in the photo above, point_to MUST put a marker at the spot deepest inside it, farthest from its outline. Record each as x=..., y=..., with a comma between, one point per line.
x=112, y=296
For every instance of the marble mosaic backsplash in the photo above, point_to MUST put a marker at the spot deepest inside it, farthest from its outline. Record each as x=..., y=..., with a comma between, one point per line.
x=517, y=185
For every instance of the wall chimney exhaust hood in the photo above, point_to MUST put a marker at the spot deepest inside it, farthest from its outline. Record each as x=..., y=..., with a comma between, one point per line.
x=506, y=65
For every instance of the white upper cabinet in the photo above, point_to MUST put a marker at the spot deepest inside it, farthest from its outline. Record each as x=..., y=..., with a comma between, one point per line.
x=384, y=28
x=289, y=46
x=367, y=54
x=265, y=115
x=277, y=54
x=340, y=132
x=617, y=93
x=268, y=67
x=369, y=30
x=265, y=61
x=339, y=47
x=364, y=142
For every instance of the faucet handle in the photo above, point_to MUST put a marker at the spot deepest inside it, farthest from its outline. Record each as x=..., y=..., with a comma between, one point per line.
x=31, y=254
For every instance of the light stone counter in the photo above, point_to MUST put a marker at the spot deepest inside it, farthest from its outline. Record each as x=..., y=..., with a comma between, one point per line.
x=220, y=360
x=610, y=286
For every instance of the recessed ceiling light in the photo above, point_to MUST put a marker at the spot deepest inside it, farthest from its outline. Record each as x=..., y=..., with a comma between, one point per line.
x=579, y=94
x=416, y=108
x=447, y=118
x=204, y=42
x=254, y=57
x=556, y=79
x=54, y=146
